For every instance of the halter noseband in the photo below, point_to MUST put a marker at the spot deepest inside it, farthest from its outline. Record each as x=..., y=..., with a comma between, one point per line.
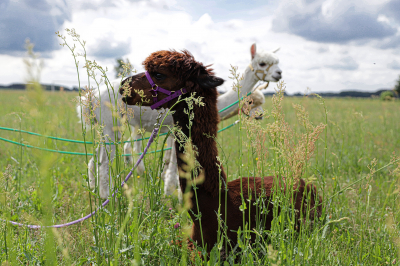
x=263, y=72
x=155, y=89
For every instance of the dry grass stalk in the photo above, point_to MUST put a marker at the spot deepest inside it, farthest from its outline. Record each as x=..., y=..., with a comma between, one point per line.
x=294, y=149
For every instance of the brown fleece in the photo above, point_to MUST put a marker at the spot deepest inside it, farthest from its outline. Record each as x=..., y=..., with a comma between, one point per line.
x=182, y=70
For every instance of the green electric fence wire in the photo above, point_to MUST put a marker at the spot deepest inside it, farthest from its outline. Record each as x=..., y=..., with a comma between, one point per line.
x=65, y=152
x=90, y=142
x=43, y=149
x=91, y=154
x=232, y=104
x=70, y=140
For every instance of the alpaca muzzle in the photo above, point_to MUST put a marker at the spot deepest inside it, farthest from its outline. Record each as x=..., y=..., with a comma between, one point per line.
x=127, y=98
x=263, y=73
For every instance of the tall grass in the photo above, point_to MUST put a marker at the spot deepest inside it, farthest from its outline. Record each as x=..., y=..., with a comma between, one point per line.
x=347, y=147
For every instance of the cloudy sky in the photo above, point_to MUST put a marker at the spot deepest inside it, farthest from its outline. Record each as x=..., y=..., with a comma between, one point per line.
x=326, y=45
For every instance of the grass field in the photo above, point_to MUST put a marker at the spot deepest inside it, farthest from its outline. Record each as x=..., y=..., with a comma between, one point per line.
x=360, y=224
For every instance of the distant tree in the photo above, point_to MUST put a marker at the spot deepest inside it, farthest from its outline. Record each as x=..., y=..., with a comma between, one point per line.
x=122, y=67
x=387, y=96
x=397, y=86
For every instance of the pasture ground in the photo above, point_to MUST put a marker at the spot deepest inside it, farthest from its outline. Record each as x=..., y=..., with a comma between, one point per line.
x=360, y=224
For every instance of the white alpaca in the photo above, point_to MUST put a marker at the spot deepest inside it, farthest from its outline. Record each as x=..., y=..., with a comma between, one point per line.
x=263, y=66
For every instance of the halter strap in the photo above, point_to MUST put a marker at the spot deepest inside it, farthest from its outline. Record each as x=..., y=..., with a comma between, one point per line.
x=251, y=67
x=155, y=89
x=263, y=72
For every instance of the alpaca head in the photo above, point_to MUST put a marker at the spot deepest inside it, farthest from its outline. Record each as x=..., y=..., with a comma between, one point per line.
x=172, y=71
x=265, y=65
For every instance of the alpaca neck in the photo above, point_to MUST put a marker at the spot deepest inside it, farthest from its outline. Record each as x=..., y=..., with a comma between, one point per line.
x=247, y=84
x=205, y=123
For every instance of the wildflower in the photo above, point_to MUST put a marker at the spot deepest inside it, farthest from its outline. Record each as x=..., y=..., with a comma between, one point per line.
x=177, y=225
x=333, y=178
x=138, y=176
x=170, y=209
x=256, y=158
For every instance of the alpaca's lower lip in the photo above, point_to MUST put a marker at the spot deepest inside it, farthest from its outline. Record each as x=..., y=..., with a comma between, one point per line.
x=277, y=78
x=124, y=99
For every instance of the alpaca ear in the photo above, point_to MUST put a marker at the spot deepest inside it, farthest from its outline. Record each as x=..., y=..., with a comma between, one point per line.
x=208, y=82
x=276, y=50
x=253, y=51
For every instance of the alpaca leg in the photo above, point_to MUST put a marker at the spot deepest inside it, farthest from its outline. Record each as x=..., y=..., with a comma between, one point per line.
x=128, y=150
x=171, y=181
x=91, y=174
x=180, y=197
x=103, y=171
x=167, y=156
x=106, y=157
x=137, y=149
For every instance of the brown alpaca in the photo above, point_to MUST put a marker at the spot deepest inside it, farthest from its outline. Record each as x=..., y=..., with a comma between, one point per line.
x=172, y=71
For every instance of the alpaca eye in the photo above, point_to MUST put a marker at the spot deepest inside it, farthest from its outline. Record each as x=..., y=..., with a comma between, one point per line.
x=159, y=76
x=262, y=64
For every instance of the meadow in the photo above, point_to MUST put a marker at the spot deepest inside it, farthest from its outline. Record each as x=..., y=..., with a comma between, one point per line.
x=350, y=167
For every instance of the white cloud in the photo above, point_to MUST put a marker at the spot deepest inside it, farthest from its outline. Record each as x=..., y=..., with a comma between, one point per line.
x=36, y=20
x=333, y=21
x=134, y=29
x=345, y=63
x=394, y=65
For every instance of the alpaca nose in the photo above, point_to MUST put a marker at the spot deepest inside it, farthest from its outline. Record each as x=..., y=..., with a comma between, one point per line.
x=125, y=98
x=130, y=79
x=277, y=75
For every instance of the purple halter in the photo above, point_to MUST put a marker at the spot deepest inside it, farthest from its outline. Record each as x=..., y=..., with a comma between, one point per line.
x=155, y=89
